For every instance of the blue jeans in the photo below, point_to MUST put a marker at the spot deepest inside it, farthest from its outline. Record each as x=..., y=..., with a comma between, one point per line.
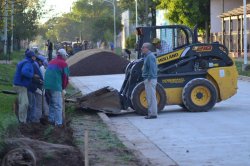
x=55, y=107
x=31, y=111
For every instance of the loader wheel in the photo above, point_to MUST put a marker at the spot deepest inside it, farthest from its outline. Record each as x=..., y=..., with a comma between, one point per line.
x=199, y=95
x=183, y=106
x=139, y=101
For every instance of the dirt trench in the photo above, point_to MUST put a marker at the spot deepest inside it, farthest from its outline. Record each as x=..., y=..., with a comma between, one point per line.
x=41, y=144
x=53, y=146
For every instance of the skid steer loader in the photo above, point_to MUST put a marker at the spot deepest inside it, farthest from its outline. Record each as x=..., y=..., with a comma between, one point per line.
x=193, y=75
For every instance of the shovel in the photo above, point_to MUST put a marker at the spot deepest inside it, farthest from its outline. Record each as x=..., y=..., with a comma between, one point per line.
x=8, y=92
x=44, y=118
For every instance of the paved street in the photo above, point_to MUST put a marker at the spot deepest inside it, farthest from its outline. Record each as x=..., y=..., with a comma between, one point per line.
x=218, y=137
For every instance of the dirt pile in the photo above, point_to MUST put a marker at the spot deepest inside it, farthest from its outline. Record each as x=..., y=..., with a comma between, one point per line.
x=96, y=62
x=41, y=144
x=26, y=151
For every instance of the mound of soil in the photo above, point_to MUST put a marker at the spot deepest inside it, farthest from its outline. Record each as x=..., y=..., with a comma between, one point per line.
x=26, y=151
x=49, y=133
x=96, y=62
x=42, y=144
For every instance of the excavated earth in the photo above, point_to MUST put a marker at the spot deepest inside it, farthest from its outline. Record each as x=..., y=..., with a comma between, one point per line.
x=96, y=62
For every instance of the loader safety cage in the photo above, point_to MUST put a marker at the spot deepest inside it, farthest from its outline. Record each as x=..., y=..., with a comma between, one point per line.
x=177, y=36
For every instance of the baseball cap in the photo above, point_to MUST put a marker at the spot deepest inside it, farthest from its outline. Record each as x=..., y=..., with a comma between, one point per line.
x=41, y=58
x=29, y=54
x=62, y=52
x=156, y=41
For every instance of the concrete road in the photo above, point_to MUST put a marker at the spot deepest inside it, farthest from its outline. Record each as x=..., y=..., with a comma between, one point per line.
x=218, y=137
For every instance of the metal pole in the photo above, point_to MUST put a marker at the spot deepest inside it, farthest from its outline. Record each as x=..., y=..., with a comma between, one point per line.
x=114, y=25
x=245, y=33
x=113, y=3
x=5, y=26
x=136, y=19
x=12, y=17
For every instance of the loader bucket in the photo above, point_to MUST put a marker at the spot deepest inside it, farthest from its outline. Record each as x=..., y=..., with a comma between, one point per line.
x=106, y=99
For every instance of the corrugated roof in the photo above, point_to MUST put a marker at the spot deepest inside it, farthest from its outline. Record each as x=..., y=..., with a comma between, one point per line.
x=235, y=12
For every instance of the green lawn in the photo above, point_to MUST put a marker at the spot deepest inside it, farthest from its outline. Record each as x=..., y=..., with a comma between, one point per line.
x=7, y=115
x=239, y=68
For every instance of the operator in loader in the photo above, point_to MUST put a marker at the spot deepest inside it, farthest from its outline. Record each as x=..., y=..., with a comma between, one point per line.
x=161, y=46
x=149, y=74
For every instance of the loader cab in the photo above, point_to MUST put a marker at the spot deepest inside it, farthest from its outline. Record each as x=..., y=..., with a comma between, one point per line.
x=175, y=36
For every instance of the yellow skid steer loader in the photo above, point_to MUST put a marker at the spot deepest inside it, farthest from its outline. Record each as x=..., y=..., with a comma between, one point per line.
x=192, y=75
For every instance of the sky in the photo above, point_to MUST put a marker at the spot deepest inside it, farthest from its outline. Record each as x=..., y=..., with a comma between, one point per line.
x=58, y=6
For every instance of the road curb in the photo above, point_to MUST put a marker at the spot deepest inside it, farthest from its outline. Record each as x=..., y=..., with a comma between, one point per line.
x=143, y=161
x=244, y=78
x=141, y=147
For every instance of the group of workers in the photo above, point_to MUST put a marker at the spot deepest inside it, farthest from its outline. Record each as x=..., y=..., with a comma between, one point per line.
x=37, y=80
x=39, y=85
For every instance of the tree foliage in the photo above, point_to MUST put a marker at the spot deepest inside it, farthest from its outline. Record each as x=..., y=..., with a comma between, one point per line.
x=96, y=19
x=88, y=20
x=26, y=16
x=189, y=12
x=146, y=10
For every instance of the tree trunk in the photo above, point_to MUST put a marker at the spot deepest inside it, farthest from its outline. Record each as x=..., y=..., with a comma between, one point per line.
x=207, y=32
x=153, y=12
x=146, y=12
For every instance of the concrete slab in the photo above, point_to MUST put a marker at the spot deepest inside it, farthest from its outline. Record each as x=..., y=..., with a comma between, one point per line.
x=89, y=84
x=218, y=137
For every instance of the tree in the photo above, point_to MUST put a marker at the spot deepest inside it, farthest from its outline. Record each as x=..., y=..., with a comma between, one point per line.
x=146, y=10
x=26, y=15
x=96, y=19
x=189, y=13
x=89, y=20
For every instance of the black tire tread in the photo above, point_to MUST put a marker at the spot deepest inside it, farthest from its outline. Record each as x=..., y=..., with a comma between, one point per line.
x=186, y=92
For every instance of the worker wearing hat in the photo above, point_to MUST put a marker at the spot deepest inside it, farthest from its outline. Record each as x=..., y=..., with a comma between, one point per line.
x=161, y=46
x=56, y=80
x=22, y=80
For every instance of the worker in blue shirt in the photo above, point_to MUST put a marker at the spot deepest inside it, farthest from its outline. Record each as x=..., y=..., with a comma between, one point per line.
x=149, y=73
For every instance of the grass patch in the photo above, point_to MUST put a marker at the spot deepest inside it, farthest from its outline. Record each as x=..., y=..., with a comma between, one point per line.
x=8, y=119
x=48, y=131
x=110, y=139
x=239, y=68
x=7, y=115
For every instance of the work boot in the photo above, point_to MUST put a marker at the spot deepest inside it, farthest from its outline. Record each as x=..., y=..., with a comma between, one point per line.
x=151, y=117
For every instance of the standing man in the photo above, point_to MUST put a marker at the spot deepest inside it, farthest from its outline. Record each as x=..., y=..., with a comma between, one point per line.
x=50, y=49
x=56, y=80
x=22, y=80
x=149, y=74
x=37, y=83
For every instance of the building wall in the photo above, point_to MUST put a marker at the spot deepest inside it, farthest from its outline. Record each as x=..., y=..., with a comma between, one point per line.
x=126, y=27
x=218, y=7
x=160, y=18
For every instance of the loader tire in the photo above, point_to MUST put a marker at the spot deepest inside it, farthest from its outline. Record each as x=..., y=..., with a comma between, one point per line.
x=139, y=102
x=183, y=106
x=199, y=95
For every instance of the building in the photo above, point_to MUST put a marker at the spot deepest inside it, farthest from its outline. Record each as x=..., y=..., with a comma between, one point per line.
x=227, y=24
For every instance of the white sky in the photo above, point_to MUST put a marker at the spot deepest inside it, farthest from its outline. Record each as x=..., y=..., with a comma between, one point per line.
x=58, y=6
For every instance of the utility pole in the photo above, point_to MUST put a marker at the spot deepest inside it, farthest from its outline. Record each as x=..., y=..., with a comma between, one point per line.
x=136, y=17
x=12, y=17
x=245, y=34
x=5, y=26
x=114, y=4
